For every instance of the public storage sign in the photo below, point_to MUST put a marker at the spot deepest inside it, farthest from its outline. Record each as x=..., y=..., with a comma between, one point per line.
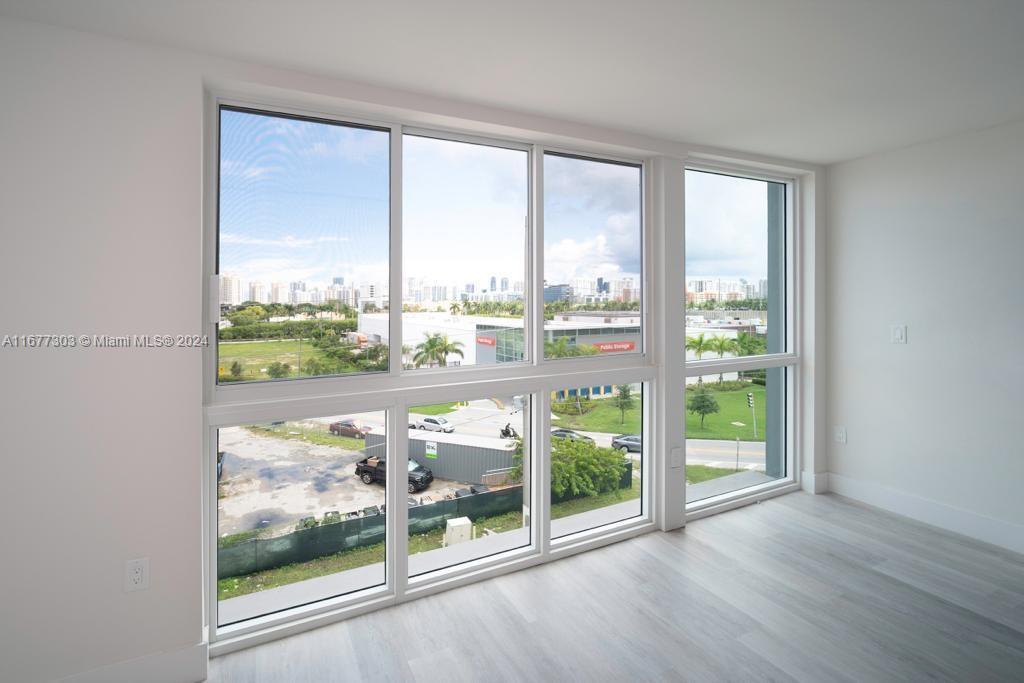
x=614, y=347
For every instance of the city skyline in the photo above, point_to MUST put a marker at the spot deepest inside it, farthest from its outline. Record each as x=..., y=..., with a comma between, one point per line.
x=308, y=201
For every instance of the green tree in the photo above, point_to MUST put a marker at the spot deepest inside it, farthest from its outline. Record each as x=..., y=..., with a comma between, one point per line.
x=721, y=345
x=455, y=309
x=749, y=344
x=561, y=348
x=236, y=370
x=436, y=348
x=699, y=345
x=623, y=400
x=579, y=468
x=702, y=403
x=278, y=370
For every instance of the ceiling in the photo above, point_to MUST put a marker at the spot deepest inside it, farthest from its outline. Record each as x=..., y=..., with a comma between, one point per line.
x=813, y=80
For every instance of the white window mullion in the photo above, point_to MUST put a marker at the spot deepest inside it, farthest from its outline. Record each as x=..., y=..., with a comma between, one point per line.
x=669, y=326
x=535, y=288
x=397, y=564
x=395, y=289
x=540, y=454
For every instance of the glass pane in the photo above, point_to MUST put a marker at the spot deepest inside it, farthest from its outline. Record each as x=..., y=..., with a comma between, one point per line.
x=735, y=431
x=592, y=257
x=464, y=223
x=300, y=512
x=469, y=481
x=735, y=266
x=597, y=457
x=303, y=247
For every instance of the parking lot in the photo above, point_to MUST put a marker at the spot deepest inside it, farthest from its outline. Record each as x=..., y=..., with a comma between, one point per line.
x=269, y=482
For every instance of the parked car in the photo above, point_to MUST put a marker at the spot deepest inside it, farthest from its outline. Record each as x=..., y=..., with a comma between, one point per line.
x=569, y=434
x=434, y=423
x=628, y=443
x=374, y=470
x=349, y=427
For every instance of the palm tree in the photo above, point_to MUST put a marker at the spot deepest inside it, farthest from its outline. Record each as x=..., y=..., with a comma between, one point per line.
x=436, y=348
x=455, y=309
x=749, y=344
x=699, y=345
x=721, y=345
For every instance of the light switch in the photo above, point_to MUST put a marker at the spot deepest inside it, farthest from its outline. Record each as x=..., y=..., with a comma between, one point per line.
x=676, y=460
x=898, y=334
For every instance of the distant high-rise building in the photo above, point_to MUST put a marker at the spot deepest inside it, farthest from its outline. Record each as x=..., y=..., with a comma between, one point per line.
x=279, y=293
x=557, y=293
x=230, y=290
x=299, y=286
x=470, y=288
x=257, y=292
x=504, y=284
x=339, y=281
x=762, y=289
x=517, y=287
x=494, y=283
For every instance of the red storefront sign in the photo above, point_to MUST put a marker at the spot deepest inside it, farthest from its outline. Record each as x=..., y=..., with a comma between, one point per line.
x=614, y=347
x=486, y=341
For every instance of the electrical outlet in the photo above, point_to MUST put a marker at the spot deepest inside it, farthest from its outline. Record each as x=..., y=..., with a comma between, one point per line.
x=676, y=457
x=840, y=435
x=898, y=334
x=136, y=574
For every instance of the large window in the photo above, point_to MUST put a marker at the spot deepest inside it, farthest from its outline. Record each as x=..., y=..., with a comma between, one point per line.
x=592, y=257
x=736, y=285
x=526, y=264
x=464, y=237
x=302, y=248
x=300, y=512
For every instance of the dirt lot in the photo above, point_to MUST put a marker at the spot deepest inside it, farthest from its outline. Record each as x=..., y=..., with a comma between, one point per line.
x=270, y=482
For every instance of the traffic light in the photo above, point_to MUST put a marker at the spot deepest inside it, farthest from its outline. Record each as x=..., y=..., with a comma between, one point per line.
x=750, y=400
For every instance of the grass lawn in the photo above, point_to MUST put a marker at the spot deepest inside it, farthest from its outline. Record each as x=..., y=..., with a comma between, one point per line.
x=232, y=587
x=301, y=432
x=256, y=355
x=695, y=474
x=605, y=417
x=587, y=503
x=436, y=409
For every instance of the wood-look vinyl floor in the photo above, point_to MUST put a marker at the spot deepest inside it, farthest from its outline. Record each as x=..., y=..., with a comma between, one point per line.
x=801, y=587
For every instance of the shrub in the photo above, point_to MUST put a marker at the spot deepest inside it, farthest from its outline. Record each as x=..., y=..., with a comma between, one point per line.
x=569, y=406
x=579, y=468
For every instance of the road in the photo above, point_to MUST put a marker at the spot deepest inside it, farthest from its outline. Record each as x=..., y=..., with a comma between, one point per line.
x=485, y=418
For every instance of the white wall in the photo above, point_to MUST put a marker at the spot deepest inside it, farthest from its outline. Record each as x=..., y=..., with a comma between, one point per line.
x=932, y=237
x=100, y=197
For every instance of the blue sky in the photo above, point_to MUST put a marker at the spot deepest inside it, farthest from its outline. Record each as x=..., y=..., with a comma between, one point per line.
x=308, y=201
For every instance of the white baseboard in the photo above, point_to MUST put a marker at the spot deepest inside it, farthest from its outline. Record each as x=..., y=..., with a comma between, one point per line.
x=186, y=665
x=990, y=530
x=814, y=483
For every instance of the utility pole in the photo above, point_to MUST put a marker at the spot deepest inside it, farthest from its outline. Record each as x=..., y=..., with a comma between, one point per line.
x=750, y=402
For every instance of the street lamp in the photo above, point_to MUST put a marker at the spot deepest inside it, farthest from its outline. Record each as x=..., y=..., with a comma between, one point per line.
x=738, y=426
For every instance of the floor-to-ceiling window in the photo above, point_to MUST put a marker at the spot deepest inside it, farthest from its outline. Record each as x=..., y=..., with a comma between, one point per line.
x=437, y=356
x=738, y=342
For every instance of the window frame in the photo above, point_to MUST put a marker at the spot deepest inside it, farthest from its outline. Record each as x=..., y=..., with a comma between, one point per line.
x=657, y=366
x=396, y=389
x=790, y=359
x=646, y=239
